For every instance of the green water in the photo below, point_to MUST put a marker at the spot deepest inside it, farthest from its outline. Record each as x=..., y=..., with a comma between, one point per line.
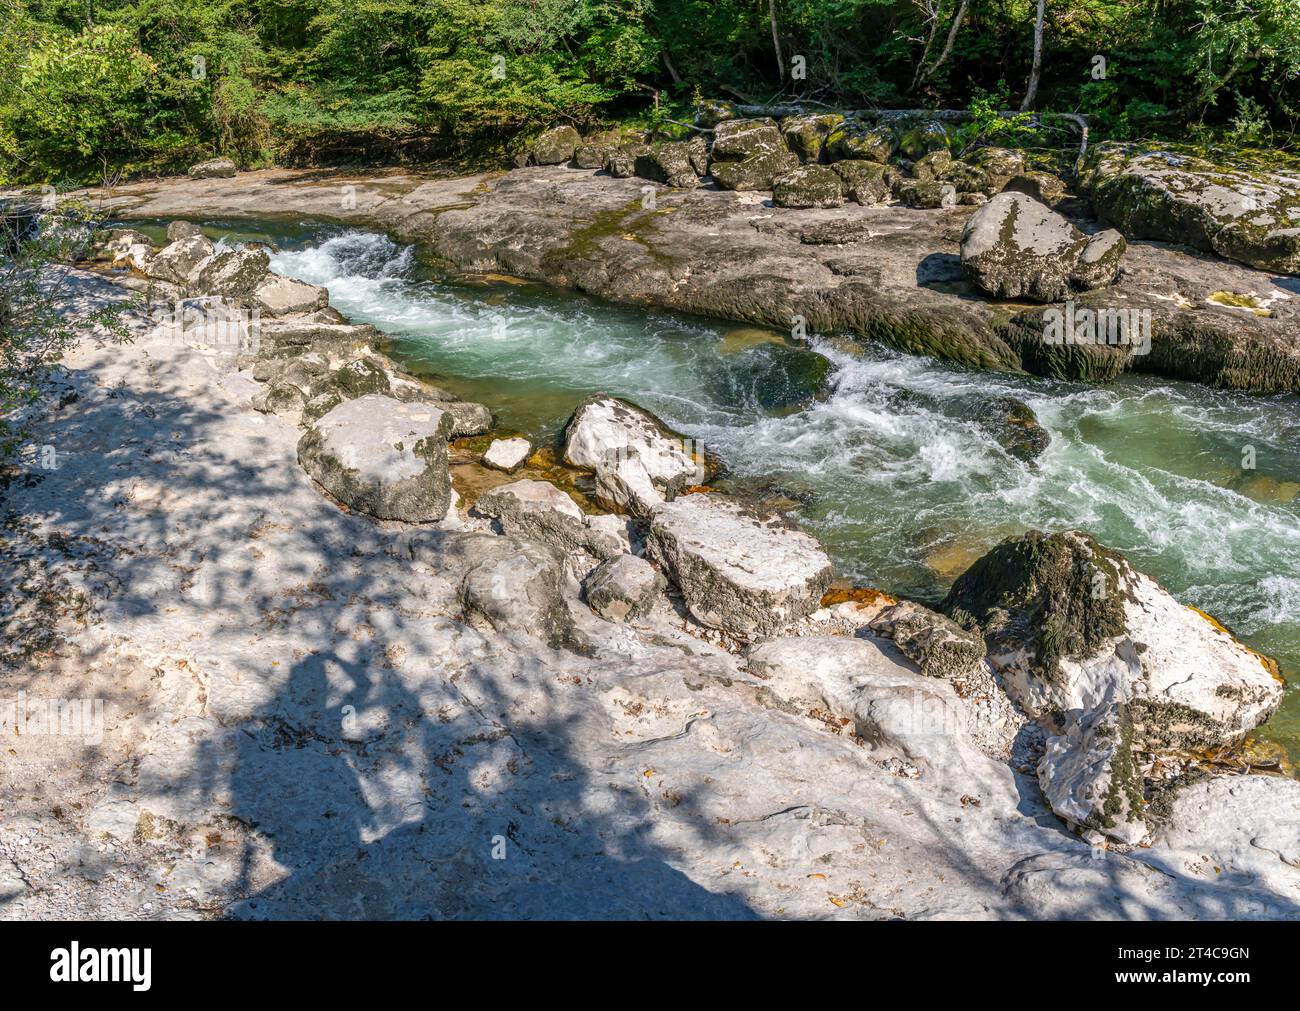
x=900, y=485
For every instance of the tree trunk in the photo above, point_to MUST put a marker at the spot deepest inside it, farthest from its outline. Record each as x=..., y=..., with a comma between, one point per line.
x=1031, y=93
x=776, y=40
x=952, y=37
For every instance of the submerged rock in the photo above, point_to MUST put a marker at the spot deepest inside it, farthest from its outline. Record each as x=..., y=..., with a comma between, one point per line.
x=507, y=454
x=623, y=588
x=1013, y=424
x=1240, y=211
x=382, y=457
x=1014, y=247
x=739, y=571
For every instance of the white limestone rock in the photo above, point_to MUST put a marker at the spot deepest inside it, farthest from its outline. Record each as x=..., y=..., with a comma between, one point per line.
x=538, y=510
x=623, y=588
x=281, y=296
x=738, y=570
x=382, y=457
x=507, y=454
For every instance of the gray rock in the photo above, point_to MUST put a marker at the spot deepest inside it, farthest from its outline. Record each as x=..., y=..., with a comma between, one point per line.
x=538, y=510
x=738, y=570
x=935, y=643
x=1015, y=247
x=809, y=186
x=749, y=154
x=213, y=168
x=127, y=247
x=806, y=135
x=860, y=141
x=1090, y=778
x=670, y=163
x=235, y=273
x=711, y=111
x=933, y=166
x=518, y=589
x=281, y=296
x=554, y=146
x=623, y=588
x=916, y=193
x=182, y=230
x=1241, y=211
x=999, y=164
x=865, y=182
x=382, y=457
x=178, y=262
x=621, y=163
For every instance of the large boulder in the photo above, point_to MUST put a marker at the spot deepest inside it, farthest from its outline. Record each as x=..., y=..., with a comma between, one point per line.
x=623, y=588
x=213, y=168
x=749, y=154
x=1015, y=247
x=809, y=186
x=555, y=146
x=538, y=510
x=865, y=182
x=671, y=163
x=234, y=273
x=517, y=587
x=1072, y=626
x=858, y=141
x=382, y=457
x=738, y=570
x=1239, y=210
x=919, y=140
x=281, y=296
x=614, y=437
x=806, y=135
x=178, y=262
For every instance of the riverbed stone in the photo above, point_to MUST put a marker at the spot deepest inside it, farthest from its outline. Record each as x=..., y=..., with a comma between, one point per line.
x=809, y=186
x=538, y=510
x=1090, y=778
x=178, y=261
x=282, y=296
x=126, y=247
x=1044, y=187
x=234, y=273
x=181, y=229
x=669, y=163
x=1239, y=209
x=518, y=588
x=738, y=570
x=865, y=182
x=382, y=457
x=507, y=454
x=213, y=168
x=917, y=193
x=854, y=140
x=806, y=135
x=999, y=164
x=623, y=588
x=935, y=643
x=749, y=154
x=554, y=146
x=932, y=166
x=614, y=437
x=1072, y=625
x=1015, y=247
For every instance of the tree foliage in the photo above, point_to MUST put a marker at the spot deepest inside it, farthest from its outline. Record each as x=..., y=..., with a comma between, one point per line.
x=89, y=86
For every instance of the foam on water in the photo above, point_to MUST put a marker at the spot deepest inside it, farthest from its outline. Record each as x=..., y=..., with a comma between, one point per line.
x=895, y=473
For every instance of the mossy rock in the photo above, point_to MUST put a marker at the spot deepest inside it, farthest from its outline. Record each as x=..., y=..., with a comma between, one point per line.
x=808, y=186
x=865, y=182
x=860, y=141
x=1059, y=595
x=924, y=138
x=806, y=135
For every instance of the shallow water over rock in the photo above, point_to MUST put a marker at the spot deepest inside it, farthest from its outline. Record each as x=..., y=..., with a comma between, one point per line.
x=885, y=459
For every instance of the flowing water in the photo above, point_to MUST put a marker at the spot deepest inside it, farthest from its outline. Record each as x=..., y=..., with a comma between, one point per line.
x=893, y=475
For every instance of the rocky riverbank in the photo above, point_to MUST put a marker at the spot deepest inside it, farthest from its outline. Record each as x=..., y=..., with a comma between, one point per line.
x=345, y=680
x=872, y=255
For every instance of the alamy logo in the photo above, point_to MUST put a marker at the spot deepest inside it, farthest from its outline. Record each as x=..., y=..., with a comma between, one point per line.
x=74, y=964
x=28, y=717
x=1111, y=327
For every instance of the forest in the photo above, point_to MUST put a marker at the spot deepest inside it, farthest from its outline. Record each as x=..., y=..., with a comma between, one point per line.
x=94, y=90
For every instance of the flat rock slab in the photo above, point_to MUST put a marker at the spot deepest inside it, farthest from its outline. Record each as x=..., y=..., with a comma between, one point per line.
x=739, y=571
